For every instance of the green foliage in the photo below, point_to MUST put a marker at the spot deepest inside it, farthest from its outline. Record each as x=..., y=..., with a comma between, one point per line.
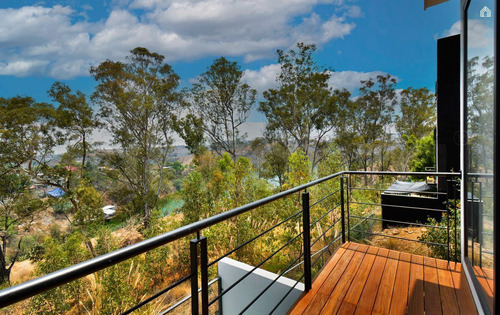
x=303, y=109
x=418, y=113
x=425, y=154
x=219, y=104
x=78, y=120
x=18, y=208
x=330, y=164
x=440, y=236
x=377, y=101
x=275, y=163
x=300, y=168
x=90, y=204
x=192, y=136
x=138, y=100
x=417, y=119
x=480, y=113
x=58, y=256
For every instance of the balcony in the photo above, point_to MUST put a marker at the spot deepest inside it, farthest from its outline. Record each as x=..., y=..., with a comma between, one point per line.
x=328, y=216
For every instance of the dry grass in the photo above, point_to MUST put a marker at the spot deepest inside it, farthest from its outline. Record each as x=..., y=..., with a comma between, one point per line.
x=22, y=271
x=412, y=233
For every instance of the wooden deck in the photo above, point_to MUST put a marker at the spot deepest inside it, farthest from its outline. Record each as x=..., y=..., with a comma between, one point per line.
x=362, y=279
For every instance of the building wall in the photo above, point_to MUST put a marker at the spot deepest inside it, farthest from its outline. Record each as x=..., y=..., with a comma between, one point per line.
x=243, y=293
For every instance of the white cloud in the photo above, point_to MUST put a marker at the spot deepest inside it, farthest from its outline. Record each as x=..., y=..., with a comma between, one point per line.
x=57, y=41
x=22, y=67
x=264, y=78
x=454, y=29
x=481, y=35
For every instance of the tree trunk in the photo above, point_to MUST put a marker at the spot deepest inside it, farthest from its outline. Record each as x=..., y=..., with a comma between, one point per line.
x=4, y=271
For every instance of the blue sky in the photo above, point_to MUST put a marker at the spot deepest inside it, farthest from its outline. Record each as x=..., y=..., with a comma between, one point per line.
x=45, y=41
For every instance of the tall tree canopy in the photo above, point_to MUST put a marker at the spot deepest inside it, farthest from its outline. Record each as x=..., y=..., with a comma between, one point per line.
x=418, y=113
x=221, y=102
x=139, y=101
x=302, y=109
x=377, y=102
x=77, y=118
x=416, y=120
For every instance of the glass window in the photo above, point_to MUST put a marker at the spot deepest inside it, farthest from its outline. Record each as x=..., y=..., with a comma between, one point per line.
x=479, y=150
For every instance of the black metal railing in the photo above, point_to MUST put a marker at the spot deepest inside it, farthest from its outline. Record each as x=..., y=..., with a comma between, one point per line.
x=340, y=224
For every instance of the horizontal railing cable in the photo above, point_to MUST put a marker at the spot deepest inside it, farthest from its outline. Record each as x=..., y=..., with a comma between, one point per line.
x=396, y=206
x=399, y=191
x=322, y=199
x=156, y=295
x=400, y=238
x=36, y=286
x=323, y=234
x=361, y=222
x=398, y=222
x=287, y=293
x=186, y=298
x=253, y=239
x=269, y=285
x=324, y=215
x=320, y=251
x=253, y=269
x=325, y=248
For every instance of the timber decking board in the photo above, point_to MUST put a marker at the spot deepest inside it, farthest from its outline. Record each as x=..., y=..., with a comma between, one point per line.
x=447, y=290
x=362, y=279
x=464, y=295
x=416, y=286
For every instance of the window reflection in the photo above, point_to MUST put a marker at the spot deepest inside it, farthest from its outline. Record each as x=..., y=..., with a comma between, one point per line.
x=479, y=169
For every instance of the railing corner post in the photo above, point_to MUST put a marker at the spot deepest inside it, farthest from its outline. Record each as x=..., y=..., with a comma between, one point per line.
x=342, y=208
x=204, y=275
x=306, y=227
x=193, y=249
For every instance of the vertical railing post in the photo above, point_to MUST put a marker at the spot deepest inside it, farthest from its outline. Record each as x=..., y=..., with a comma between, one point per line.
x=480, y=224
x=348, y=182
x=219, y=292
x=448, y=205
x=471, y=216
x=204, y=275
x=306, y=227
x=193, y=247
x=456, y=226
x=342, y=209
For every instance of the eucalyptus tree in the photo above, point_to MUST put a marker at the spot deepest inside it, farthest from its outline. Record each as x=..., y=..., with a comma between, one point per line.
x=27, y=136
x=480, y=85
x=220, y=104
x=77, y=120
x=377, y=101
x=417, y=119
x=18, y=209
x=139, y=101
x=30, y=133
x=347, y=137
x=303, y=108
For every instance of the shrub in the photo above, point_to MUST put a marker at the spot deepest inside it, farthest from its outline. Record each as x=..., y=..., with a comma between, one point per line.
x=440, y=236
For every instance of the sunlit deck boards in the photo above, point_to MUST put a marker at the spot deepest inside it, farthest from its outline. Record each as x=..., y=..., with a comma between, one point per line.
x=361, y=279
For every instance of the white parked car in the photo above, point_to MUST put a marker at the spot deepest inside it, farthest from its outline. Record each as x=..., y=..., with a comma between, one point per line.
x=109, y=211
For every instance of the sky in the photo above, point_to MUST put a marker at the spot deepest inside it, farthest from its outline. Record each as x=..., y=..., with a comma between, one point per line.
x=45, y=41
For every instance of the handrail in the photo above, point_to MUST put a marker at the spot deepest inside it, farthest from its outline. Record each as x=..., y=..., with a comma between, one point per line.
x=36, y=286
